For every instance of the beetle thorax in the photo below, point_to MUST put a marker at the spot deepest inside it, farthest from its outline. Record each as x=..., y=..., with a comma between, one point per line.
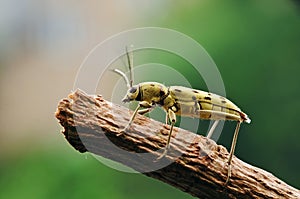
x=152, y=92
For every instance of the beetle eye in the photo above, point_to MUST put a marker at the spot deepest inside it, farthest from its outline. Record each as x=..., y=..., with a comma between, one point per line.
x=132, y=90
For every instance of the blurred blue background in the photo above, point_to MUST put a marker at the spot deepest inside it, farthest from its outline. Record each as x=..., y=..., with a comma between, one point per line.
x=255, y=44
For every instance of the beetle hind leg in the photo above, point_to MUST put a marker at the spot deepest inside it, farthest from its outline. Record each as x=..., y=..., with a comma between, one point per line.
x=236, y=132
x=212, y=129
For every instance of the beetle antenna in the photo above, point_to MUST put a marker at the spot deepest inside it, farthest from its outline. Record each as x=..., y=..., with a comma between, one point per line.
x=124, y=76
x=129, y=55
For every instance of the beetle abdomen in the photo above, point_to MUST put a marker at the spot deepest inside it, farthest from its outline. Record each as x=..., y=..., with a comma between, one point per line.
x=205, y=105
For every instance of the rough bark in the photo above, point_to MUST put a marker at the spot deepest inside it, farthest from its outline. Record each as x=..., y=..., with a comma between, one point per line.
x=194, y=164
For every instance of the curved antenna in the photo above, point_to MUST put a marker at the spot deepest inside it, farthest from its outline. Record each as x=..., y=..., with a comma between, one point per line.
x=129, y=55
x=124, y=76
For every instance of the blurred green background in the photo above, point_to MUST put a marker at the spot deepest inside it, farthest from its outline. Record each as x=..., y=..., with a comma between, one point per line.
x=255, y=44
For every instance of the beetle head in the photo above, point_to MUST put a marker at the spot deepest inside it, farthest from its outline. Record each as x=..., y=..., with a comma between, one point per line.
x=132, y=94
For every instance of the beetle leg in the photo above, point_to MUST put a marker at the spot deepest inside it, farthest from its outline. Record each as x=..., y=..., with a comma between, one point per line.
x=213, y=127
x=132, y=117
x=197, y=107
x=141, y=104
x=167, y=118
x=236, y=132
x=144, y=111
x=172, y=117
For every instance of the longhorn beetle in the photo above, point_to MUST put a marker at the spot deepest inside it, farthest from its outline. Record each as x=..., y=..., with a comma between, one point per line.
x=183, y=101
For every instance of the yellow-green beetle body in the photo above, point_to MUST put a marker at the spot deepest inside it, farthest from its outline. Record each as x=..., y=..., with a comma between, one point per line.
x=183, y=101
x=220, y=107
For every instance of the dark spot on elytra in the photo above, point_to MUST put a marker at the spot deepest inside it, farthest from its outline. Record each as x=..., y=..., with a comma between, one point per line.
x=161, y=92
x=178, y=90
x=209, y=94
x=152, y=85
x=195, y=91
x=207, y=98
x=223, y=101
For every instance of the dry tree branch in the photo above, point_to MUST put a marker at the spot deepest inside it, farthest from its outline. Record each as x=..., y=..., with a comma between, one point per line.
x=94, y=125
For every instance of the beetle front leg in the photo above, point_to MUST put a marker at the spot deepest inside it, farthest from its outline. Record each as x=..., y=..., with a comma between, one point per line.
x=167, y=118
x=143, y=104
x=144, y=111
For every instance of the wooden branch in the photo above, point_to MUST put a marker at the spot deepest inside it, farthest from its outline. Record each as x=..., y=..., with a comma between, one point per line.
x=194, y=164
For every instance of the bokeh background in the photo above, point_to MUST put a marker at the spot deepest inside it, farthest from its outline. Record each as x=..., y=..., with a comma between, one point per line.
x=255, y=44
